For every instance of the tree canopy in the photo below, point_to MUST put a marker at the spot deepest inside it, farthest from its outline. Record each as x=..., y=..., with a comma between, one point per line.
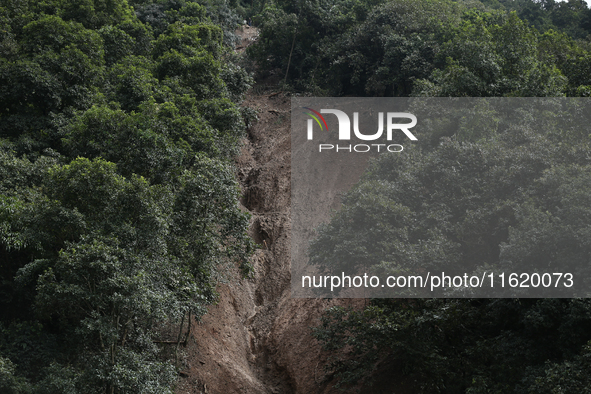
x=118, y=203
x=433, y=48
x=119, y=120
x=486, y=189
x=516, y=194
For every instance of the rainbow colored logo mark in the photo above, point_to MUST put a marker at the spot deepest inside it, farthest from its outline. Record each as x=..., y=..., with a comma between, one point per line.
x=316, y=118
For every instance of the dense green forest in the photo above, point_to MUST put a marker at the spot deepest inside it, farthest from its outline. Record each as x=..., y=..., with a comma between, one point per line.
x=517, y=193
x=428, y=48
x=118, y=199
x=119, y=121
x=495, y=191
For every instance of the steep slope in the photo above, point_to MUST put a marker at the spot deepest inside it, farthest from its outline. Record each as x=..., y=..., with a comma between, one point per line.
x=257, y=339
x=234, y=348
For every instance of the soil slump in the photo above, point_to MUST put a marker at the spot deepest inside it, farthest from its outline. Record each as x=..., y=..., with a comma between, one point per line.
x=257, y=339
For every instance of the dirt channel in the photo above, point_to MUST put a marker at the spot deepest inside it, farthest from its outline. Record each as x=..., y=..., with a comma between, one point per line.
x=257, y=339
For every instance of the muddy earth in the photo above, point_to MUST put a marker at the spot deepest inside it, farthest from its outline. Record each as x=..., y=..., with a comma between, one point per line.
x=257, y=339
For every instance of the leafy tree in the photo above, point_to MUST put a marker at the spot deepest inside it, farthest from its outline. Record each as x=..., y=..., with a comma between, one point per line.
x=571, y=17
x=117, y=193
x=406, y=47
x=475, y=346
x=9, y=383
x=162, y=13
x=497, y=60
x=489, y=189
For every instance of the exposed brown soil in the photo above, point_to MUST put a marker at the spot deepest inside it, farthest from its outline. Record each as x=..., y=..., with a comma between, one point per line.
x=248, y=35
x=257, y=339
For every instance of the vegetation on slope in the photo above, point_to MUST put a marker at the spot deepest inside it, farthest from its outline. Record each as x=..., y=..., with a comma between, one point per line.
x=517, y=193
x=407, y=47
x=118, y=203
x=512, y=196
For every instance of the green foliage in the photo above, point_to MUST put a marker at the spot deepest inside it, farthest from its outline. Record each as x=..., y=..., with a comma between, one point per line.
x=426, y=48
x=571, y=17
x=315, y=26
x=237, y=80
x=489, y=58
x=131, y=83
x=93, y=14
x=158, y=143
x=463, y=346
x=199, y=73
x=9, y=383
x=189, y=40
x=392, y=48
x=117, y=44
x=569, y=376
x=488, y=189
x=117, y=194
x=160, y=14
